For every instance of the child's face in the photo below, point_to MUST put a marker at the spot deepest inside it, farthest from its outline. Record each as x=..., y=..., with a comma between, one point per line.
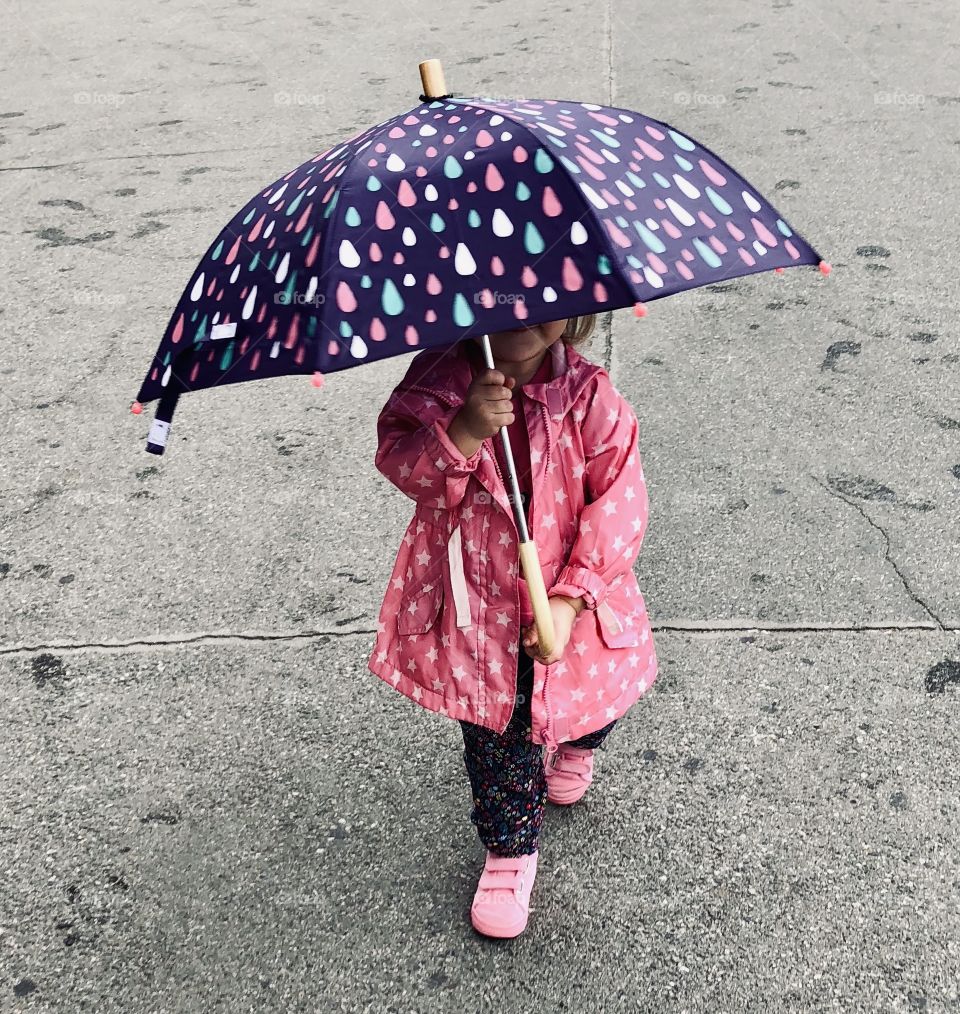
x=525, y=342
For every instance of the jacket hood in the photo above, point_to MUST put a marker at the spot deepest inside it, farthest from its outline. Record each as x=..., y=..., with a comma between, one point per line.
x=448, y=373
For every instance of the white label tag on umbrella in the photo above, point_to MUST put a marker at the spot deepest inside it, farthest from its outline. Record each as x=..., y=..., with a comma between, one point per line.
x=223, y=331
x=159, y=430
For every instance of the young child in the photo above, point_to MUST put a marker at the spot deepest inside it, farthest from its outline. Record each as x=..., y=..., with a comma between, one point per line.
x=455, y=631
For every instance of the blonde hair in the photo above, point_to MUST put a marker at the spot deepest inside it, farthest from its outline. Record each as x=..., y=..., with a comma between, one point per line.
x=579, y=329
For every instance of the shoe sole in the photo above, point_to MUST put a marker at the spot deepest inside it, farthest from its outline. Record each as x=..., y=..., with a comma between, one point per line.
x=498, y=932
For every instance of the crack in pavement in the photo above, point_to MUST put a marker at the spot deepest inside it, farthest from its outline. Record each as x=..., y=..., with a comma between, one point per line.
x=886, y=538
x=717, y=628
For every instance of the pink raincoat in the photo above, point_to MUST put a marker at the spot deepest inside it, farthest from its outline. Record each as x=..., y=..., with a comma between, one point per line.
x=449, y=626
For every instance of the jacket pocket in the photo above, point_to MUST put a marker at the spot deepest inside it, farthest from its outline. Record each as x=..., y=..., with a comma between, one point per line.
x=419, y=607
x=619, y=622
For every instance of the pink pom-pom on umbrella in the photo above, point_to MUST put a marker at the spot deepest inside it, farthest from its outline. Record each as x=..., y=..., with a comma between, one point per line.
x=317, y=379
x=825, y=268
x=639, y=309
x=136, y=408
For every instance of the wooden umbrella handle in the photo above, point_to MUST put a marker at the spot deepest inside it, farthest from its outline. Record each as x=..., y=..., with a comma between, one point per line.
x=533, y=575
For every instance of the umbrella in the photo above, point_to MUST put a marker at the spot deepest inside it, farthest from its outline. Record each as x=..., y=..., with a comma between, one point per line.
x=461, y=217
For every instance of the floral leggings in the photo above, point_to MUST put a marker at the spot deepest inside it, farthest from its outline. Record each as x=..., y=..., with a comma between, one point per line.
x=506, y=774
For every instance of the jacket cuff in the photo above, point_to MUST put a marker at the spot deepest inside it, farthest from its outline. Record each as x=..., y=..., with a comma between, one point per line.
x=574, y=581
x=449, y=454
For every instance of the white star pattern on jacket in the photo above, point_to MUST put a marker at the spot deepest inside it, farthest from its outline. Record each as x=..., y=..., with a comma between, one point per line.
x=588, y=517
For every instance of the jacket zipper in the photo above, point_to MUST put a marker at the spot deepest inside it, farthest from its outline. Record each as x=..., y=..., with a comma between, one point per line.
x=551, y=744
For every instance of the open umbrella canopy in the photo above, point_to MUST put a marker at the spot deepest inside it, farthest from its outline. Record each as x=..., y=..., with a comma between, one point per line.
x=462, y=216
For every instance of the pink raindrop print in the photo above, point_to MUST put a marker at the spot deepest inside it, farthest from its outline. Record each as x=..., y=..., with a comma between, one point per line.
x=492, y=178
x=346, y=300
x=572, y=279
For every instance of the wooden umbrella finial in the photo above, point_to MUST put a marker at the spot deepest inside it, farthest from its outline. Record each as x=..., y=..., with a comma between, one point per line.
x=431, y=76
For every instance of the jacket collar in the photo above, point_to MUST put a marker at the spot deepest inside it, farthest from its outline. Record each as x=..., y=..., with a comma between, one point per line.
x=448, y=372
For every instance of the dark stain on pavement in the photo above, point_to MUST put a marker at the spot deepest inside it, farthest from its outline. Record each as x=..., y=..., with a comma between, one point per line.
x=938, y=676
x=862, y=488
x=47, y=668
x=923, y=336
x=187, y=175
x=838, y=349
x=872, y=251
x=148, y=229
x=57, y=237
x=160, y=818
x=24, y=987
x=64, y=203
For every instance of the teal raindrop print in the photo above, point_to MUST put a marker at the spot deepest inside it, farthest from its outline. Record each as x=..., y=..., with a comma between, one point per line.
x=365, y=282
x=523, y=191
x=603, y=264
x=346, y=331
x=608, y=139
x=572, y=166
x=665, y=183
x=532, y=240
x=636, y=181
x=784, y=228
x=373, y=184
x=391, y=300
x=218, y=249
x=681, y=141
x=295, y=203
x=542, y=162
x=436, y=223
x=473, y=218
x=201, y=331
x=254, y=262
x=227, y=356
x=707, y=254
x=652, y=241
x=718, y=202
x=684, y=164
x=452, y=168
x=621, y=221
x=250, y=215
x=331, y=204
x=352, y=217
x=462, y=314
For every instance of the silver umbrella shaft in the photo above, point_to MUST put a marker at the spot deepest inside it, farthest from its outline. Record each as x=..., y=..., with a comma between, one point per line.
x=514, y=495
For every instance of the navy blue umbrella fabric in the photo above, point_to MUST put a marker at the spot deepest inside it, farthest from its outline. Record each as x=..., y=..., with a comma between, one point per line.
x=463, y=216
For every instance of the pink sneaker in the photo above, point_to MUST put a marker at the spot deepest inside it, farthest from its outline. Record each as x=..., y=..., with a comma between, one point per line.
x=502, y=901
x=569, y=773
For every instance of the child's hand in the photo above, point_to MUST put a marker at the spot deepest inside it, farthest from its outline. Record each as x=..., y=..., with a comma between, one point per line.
x=488, y=405
x=564, y=613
